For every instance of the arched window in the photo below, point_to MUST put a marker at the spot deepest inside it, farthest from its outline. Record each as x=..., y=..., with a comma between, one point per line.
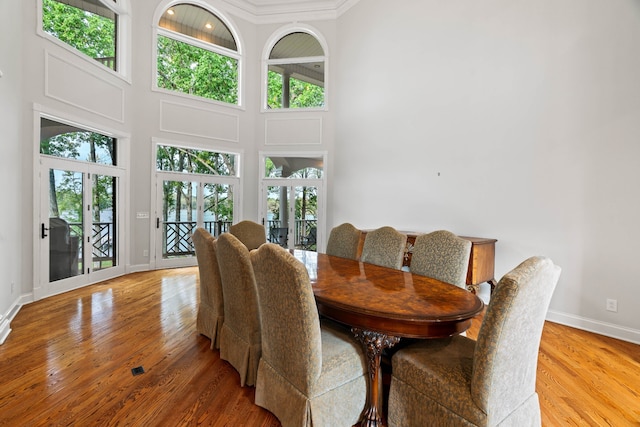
x=296, y=72
x=197, y=54
x=92, y=27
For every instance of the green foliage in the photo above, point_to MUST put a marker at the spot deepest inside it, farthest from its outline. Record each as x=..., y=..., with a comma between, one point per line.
x=301, y=94
x=91, y=34
x=195, y=71
x=68, y=191
x=305, y=95
x=218, y=197
x=66, y=186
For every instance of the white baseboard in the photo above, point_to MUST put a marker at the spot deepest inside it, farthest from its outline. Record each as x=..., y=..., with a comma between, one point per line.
x=136, y=268
x=595, y=326
x=5, y=324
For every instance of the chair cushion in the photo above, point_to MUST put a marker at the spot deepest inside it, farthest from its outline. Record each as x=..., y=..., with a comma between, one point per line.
x=342, y=358
x=441, y=370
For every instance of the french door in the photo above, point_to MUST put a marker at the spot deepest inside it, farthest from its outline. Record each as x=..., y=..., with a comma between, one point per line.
x=79, y=225
x=292, y=198
x=187, y=201
x=290, y=212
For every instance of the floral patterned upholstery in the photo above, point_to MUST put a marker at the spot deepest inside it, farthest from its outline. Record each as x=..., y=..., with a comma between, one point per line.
x=384, y=246
x=250, y=233
x=460, y=382
x=443, y=256
x=343, y=241
x=210, y=316
x=312, y=372
x=240, y=341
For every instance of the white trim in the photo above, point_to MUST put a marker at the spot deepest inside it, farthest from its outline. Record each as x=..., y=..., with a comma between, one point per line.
x=271, y=42
x=48, y=54
x=278, y=12
x=234, y=116
x=321, y=183
x=155, y=261
x=123, y=40
x=595, y=326
x=309, y=139
x=5, y=321
x=121, y=170
x=164, y=5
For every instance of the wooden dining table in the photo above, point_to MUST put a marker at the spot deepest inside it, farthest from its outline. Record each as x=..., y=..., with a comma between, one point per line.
x=383, y=305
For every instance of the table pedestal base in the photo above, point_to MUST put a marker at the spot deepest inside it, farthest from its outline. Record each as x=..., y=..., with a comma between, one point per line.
x=373, y=344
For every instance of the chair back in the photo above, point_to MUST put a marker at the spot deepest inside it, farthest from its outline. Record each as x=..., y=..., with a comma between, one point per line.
x=291, y=341
x=250, y=233
x=506, y=353
x=241, y=330
x=343, y=241
x=210, y=311
x=384, y=246
x=443, y=256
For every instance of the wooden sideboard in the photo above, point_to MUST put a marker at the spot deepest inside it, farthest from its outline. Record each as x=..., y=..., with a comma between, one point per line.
x=481, y=260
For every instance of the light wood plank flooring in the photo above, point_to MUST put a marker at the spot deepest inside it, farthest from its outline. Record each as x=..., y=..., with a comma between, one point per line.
x=69, y=358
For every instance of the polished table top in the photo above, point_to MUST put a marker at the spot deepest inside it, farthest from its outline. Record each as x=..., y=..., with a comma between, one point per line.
x=382, y=305
x=393, y=302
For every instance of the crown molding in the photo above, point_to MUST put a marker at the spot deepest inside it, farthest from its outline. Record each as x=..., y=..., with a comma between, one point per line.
x=281, y=11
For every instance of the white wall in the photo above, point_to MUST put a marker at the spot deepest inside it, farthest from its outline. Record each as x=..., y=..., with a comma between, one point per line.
x=10, y=162
x=507, y=119
x=517, y=120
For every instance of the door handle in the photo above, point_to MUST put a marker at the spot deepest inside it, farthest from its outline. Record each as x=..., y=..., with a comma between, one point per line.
x=43, y=231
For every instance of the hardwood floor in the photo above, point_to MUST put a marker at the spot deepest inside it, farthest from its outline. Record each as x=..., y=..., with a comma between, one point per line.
x=70, y=357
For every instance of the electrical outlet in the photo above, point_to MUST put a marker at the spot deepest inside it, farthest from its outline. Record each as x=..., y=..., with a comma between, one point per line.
x=612, y=305
x=145, y=252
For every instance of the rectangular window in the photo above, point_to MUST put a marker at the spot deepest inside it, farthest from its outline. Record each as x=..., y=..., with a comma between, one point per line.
x=189, y=160
x=303, y=92
x=86, y=25
x=190, y=69
x=70, y=142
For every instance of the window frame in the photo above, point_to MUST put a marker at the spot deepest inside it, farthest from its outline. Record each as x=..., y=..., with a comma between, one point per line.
x=158, y=176
x=266, y=62
x=123, y=39
x=211, y=47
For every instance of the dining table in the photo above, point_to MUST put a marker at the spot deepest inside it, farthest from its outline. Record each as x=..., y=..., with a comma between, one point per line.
x=381, y=306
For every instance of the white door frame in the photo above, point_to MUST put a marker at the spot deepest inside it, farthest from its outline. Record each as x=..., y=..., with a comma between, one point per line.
x=320, y=184
x=43, y=287
x=157, y=177
x=201, y=180
x=41, y=165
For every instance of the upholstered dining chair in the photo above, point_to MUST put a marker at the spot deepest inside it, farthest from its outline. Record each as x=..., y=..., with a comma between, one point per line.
x=489, y=382
x=343, y=241
x=240, y=338
x=384, y=246
x=210, y=315
x=311, y=373
x=443, y=256
x=250, y=233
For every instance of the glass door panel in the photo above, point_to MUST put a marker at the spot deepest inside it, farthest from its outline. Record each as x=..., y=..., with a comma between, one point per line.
x=306, y=217
x=278, y=214
x=218, y=208
x=179, y=218
x=66, y=224
x=103, y=222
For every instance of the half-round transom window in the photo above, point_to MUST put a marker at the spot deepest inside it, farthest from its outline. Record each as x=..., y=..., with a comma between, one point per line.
x=296, y=72
x=197, y=54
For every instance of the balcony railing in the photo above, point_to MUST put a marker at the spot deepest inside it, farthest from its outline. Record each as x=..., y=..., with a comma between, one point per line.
x=178, y=238
x=103, y=238
x=177, y=234
x=304, y=233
